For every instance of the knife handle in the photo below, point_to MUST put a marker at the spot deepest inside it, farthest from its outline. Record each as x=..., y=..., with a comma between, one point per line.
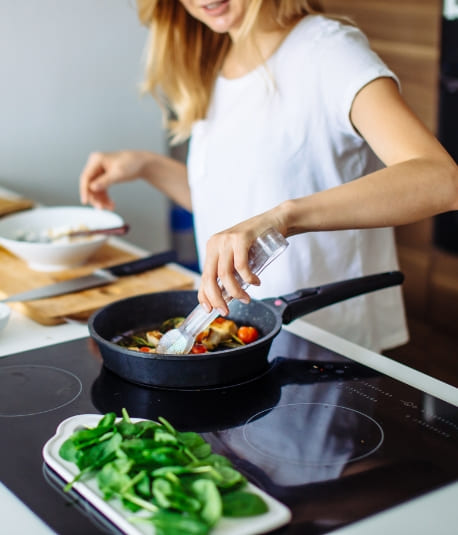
x=143, y=264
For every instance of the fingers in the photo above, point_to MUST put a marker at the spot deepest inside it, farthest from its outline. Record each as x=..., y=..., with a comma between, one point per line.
x=210, y=293
x=95, y=180
x=226, y=271
x=91, y=170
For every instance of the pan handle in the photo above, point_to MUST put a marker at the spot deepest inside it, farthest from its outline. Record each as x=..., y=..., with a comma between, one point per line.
x=306, y=300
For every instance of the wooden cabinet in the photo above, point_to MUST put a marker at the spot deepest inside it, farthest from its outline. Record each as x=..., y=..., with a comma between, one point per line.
x=406, y=35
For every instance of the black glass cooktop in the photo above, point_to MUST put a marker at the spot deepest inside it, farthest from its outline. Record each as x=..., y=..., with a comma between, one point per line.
x=332, y=439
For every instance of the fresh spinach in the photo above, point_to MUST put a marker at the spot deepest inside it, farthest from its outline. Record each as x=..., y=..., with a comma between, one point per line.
x=152, y=467
x=241, y=503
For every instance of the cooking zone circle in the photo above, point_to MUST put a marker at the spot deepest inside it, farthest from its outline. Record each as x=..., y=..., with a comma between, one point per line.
x=28, y=390
x=323, y=434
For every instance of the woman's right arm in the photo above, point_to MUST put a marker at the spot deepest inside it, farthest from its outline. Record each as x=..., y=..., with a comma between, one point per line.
x=104, y=169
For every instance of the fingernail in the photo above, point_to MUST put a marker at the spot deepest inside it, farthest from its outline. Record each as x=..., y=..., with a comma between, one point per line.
x=244, y=300
x=221, y=312
x=206, y=307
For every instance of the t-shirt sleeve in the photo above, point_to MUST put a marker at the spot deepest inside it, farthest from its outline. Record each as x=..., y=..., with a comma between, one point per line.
x=347, y=65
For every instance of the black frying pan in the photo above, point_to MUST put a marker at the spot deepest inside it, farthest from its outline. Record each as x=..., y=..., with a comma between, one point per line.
x=229, y=366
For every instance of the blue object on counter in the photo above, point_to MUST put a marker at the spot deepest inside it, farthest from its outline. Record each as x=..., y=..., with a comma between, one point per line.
x=183, y=239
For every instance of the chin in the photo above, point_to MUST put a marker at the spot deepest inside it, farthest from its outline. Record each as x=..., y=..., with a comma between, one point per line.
x=221, y=26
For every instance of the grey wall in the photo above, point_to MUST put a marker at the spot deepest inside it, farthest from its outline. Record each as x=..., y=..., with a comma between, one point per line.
x=69, y=84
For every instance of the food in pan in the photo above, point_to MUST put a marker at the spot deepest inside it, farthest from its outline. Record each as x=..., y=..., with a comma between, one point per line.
x=221, y=334
x=172, y=478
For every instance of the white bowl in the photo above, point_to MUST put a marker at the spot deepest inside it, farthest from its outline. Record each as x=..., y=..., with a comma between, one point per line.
x=5, y=313
x=55, y=256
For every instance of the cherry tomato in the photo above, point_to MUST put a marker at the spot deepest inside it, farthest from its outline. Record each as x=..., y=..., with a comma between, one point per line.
x=198, y=348
x=144, y=349
x=201, y=336
x=247, y=334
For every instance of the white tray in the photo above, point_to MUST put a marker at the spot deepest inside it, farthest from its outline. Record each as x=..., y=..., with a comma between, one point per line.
x=277, y=515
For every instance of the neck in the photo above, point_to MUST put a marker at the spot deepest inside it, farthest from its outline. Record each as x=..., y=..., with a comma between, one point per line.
x=253, y=50
x=247, y=52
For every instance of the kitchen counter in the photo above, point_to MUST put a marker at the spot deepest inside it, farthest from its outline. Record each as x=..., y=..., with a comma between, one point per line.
x=22, y=333
x=435, y=512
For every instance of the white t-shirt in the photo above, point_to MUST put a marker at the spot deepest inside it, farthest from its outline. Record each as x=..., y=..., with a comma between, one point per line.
x=284, y=132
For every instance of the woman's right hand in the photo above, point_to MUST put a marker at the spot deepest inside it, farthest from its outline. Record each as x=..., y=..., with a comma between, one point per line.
x=103, y=169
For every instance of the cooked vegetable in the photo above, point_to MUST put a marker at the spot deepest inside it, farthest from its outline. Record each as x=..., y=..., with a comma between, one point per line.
x=221, y=330
x=247, y=334
x=152, y=467
x=221, y=334
x=198, y=348
x=153, y=337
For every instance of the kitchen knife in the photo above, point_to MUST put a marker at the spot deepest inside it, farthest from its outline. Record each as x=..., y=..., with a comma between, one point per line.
x=99, y=277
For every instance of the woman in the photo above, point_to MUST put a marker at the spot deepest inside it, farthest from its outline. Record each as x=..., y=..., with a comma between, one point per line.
x=296, y=124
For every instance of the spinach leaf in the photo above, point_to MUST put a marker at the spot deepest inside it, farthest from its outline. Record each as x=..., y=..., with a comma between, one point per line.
x=143, y=486
x=100, y=453
x=69, y=452
x=207, y=493
x=172, y=496
x=241, y=503
x=169, y=523
x=83, y=438
x=113, y=478
x=107, y=421
x=227, y=477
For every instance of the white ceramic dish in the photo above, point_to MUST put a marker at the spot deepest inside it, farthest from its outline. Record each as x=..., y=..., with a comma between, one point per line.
x=277, y=515
x=55, y=256
x=5, y=313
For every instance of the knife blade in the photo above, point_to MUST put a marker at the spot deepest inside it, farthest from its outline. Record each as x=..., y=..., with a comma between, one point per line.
x=98, y=277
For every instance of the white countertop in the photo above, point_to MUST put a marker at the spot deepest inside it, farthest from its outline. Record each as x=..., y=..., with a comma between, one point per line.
x=435, y=512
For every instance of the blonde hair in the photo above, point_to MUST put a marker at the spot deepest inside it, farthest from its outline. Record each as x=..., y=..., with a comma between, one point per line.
x=184, y=56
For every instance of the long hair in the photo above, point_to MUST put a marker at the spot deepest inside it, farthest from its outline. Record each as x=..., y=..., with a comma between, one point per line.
x=184, y=57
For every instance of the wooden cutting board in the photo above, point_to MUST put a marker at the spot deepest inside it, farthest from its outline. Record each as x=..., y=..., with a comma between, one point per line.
x=16, y=276
x=9, y=206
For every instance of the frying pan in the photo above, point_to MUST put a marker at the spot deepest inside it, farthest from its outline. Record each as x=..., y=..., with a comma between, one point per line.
x=225, y=367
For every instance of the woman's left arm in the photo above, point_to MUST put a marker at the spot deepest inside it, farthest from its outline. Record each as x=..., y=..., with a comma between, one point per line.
x=420, y=180
x=417, y=166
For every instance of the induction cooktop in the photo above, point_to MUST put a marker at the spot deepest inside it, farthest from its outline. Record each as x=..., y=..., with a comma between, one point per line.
x=332, y=439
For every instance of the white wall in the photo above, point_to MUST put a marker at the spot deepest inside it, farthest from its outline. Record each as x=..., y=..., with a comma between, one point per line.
x=69, y=77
